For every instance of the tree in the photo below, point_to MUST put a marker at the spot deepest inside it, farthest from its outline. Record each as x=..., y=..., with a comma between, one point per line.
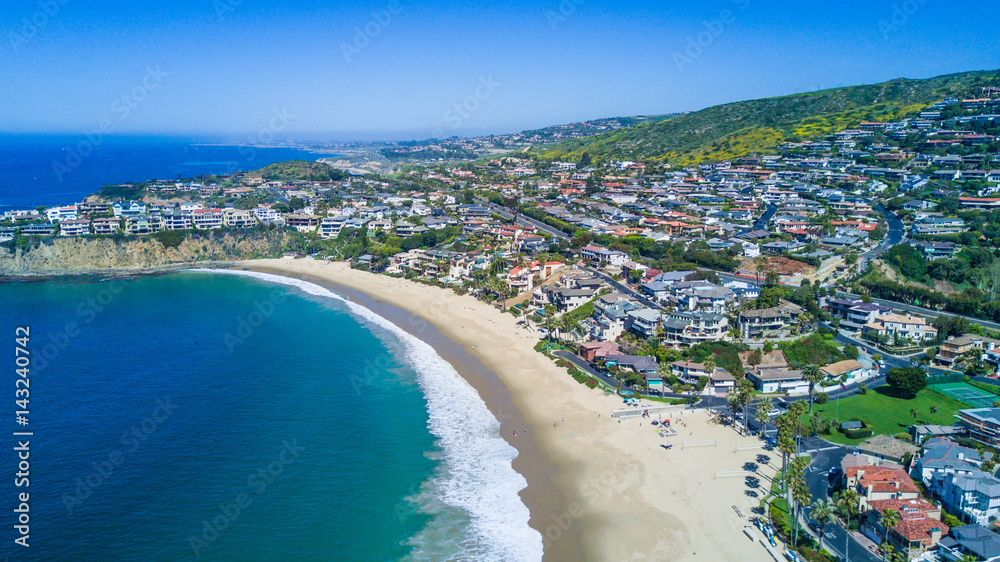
x=851, y=351
x=906, y=381
x=823, y=513
x=890, y=518
x=763, y=408
x=772, y=277
x=760, y=263
x=800, y=493
x=813, y=376
x=755, y=358
x=847, y=507
x=745, y=393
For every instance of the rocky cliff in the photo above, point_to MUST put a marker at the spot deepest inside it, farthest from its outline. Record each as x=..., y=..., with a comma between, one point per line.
x=72, y=256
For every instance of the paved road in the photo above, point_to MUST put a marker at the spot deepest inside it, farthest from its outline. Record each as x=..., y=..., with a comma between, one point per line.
x=824, y=457
x=624, y=288
x=924, y=311
x=895, y=234
x=761, y=223
x=526, y=221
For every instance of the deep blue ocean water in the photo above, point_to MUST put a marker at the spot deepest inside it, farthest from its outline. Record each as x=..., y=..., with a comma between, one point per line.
x=239, y=418
x=40, y=170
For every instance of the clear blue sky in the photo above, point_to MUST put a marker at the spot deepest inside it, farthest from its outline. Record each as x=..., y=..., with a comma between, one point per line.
x=225, y=66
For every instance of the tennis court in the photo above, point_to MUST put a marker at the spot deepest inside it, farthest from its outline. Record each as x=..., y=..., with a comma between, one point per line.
x=967, y=393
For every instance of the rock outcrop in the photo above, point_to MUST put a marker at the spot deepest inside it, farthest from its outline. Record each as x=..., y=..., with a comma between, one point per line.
x=74, y=256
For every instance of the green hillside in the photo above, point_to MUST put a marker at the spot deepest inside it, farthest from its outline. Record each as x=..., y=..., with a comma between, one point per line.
x=300, y=170
x=757, y=126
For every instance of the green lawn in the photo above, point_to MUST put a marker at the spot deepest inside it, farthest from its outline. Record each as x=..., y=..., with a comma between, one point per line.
x=889, y=414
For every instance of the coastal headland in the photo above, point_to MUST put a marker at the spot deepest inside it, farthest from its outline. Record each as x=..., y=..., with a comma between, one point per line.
x=598, y=489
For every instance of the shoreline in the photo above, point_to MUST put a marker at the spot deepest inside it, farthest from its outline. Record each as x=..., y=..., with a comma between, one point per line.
x=597, y=489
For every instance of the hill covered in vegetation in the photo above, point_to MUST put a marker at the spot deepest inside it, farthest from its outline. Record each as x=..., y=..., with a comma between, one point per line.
x=300, y=170
x=740, y=128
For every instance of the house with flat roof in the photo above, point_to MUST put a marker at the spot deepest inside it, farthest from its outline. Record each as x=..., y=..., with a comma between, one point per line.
x=983, y=424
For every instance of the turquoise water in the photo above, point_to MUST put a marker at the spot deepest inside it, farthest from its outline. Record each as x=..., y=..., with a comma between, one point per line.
x=223, y=417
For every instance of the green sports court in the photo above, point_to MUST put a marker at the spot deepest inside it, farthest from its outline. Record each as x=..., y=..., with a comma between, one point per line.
x=966, y=393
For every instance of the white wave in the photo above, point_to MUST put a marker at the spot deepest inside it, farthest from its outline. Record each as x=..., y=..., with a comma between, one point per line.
x=478, y=478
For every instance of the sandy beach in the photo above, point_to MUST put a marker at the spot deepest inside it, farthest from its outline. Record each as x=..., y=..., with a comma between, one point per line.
x=597, y=489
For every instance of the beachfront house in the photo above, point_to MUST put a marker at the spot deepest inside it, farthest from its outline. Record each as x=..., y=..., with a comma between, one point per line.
x=880, y=483
x=637, y=363
x=688, y=371
x=597, y=350
x=778, y=379
x=919, y=528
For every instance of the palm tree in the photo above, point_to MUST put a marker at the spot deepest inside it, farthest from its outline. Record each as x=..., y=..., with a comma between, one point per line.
x=733, y=401
x=890, y=518
x=710, y=365
x=806, y=319
x=914, y=412
x=847, y=506
x=760, y=262
x=802, y=497
x=812, y=375
x=772, y=277
x=745, y=393
x=823, y=513
x=934, y=409
x=762, y=417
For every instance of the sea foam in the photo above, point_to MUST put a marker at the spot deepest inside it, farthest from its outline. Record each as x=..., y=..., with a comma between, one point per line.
x=477, y=477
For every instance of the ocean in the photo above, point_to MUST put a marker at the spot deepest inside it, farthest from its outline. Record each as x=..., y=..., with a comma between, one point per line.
x=245, y=416
x=37, y=170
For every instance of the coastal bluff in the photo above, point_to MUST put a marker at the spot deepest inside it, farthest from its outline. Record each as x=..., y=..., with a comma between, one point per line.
x=75, y=256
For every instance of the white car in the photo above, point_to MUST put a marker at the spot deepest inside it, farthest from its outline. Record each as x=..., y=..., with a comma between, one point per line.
x=774, y=412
